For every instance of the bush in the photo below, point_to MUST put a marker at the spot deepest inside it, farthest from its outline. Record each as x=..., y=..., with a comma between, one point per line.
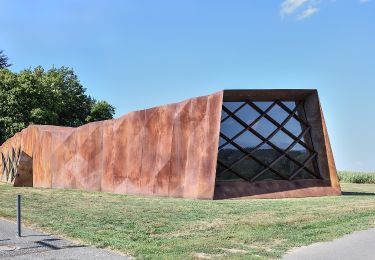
x=356, y=177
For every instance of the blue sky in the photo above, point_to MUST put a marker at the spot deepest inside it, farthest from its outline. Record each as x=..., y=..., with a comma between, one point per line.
x=138, y=54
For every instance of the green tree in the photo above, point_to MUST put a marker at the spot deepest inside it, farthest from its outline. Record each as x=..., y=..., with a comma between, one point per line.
x=4, y=60
x=53, y=97
x=101, y=110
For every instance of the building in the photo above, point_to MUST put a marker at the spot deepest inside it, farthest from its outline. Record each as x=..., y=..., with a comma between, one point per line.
x=233, y=143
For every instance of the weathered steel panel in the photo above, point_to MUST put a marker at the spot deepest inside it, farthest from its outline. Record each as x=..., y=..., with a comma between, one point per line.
x=169, y=150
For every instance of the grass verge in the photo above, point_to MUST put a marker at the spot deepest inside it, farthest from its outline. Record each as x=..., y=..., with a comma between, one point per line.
x=167, y=228
x=356, y=177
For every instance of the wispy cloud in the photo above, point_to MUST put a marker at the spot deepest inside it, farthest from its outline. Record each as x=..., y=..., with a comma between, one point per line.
x=290, y=6
x=309, y=11
x=302, y=9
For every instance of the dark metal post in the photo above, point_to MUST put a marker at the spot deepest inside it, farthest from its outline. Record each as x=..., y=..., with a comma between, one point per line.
x=19, y=215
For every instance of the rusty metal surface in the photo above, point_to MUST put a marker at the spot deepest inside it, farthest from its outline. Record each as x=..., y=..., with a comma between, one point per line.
x=320, y=139
x=267, y=94
x=274, y=189
x=24, y=176
x=169, y=150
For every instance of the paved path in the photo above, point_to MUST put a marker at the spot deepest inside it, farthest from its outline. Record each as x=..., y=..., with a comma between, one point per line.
x=359, y=245
x=37, y=245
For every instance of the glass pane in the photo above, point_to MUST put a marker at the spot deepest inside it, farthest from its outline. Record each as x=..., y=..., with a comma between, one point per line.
x=264, y=127
x=266, y=154
x=225, y=175
x=247, y=140
x=230, y=127
x=223, y=115
x=222, y=141
x=247, y=114
x=278, y=114
x=248, y=168
x=303, y=174
x=268, y=176
x=310, y=165
x=285, y=166
x=290, y=104
x=220, y=168
x=293, y=126
x=299, y=153
x=281, y=140
x=232, y=106
x=229, y=155
x=263, y=104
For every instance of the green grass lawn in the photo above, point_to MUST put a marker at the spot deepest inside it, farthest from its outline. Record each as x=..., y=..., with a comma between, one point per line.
x=166, y=228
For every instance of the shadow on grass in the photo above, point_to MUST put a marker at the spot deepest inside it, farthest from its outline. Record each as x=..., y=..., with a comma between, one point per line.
x=47, y=243
x=352, y=193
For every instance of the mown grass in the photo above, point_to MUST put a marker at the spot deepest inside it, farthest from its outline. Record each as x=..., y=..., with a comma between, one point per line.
x=167, y=228
x=356, y=177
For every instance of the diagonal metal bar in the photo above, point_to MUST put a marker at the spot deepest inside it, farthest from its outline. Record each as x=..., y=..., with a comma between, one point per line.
x=311, y=157
x=235, y=111
x=287, y=109
x=13, y=154
x=310, y=141
x=231, y=170
x=10, y=167
x=4, y=165
x=249, y=154
x=239, y=120
x=243, y=157
x=250, y=125
x=290, y=147
x=277, y=124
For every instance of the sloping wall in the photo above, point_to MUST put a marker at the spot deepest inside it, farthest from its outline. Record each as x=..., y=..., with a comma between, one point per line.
x=169, y=150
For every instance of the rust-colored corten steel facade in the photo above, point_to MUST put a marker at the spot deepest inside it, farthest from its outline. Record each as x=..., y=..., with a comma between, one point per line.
x=233, y=143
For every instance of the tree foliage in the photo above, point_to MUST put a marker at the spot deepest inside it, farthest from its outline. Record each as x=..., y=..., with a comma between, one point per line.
x=100, y=111
x=4, y=60
x=53, y=97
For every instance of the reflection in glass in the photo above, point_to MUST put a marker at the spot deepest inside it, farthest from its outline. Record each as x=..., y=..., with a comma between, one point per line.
x=263, y=105
x=247, y=114
x=264, y=127
x=293, y=126
x=230, y=127
x=249, y=160
x=269, y=176
x=224, y=115
x=222, y=141
x=281, y=140
x=285, y=166
x=266, y=154
x=278, y=114
x=248, y=168
x=290, y=104
x=229, y=155
x=299, y=153
x=232, y=106
x=247, y=140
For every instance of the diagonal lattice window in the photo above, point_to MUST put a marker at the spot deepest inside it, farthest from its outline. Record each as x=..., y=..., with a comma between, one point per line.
x=9, y=164
x=265, y=140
